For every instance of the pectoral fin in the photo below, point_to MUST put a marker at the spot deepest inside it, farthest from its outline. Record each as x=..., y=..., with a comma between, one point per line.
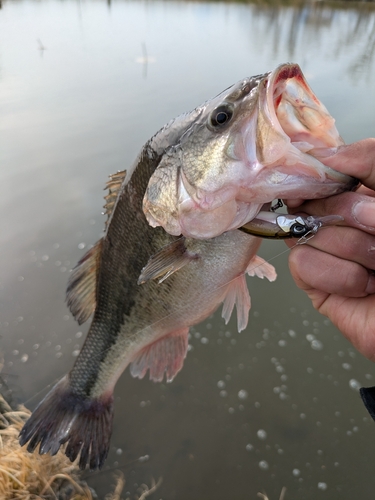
x=166, y=355
x=166, y=261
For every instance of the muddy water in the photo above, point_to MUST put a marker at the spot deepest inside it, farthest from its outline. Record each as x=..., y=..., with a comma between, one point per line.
x=82, y=86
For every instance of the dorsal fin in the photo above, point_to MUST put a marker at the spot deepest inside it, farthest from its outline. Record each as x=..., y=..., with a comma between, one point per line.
x=113, y=185
x=81, y=290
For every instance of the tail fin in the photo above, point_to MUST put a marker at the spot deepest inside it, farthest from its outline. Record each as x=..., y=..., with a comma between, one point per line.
x=368, y=398
x=85, y=424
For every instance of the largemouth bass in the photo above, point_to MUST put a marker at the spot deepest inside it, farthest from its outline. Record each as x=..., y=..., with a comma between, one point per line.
x=142, y=322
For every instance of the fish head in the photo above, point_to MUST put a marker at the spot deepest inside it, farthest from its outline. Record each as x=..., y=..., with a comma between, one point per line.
x=249, y=145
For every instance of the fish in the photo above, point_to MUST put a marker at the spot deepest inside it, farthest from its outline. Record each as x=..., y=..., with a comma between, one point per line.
x=151, y=276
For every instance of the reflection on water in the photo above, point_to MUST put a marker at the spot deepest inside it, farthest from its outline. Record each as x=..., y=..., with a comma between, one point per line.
x=274, y=406
x=311, y=22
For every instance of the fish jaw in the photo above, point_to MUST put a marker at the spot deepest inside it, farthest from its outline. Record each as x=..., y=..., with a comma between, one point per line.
x=216, y=178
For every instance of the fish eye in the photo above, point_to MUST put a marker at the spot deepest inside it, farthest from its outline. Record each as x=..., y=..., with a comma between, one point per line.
x=298, y=229
x=221, y=115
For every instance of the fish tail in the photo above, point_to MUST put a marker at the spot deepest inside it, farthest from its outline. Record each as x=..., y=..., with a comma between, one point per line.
x=64, y=416
x=368, y=398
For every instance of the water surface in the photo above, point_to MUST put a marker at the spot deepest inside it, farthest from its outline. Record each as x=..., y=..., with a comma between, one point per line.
x=82, y=86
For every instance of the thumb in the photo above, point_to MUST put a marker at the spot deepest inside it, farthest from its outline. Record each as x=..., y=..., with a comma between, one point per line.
x=357, y=160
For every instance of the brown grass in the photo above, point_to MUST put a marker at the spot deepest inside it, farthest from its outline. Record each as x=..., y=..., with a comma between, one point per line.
x=30, y=476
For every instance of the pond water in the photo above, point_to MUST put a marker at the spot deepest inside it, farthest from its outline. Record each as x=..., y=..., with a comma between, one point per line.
x=83, y=84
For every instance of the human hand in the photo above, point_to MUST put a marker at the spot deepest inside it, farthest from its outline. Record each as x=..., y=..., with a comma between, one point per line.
x=335, y=268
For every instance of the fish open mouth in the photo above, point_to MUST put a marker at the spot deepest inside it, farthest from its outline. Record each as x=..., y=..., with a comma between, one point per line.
x=295, y=111
x=292, y=125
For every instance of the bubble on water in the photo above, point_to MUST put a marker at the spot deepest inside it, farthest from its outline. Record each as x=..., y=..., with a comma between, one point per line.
x=56, y=246
x=58, y=354
x=58, y=263
x=20, y=278
x=346, y=366
x=292, y=333
x=282, y=343
x=119, y=451
x=368, y=376
x=204, y=340
x=223, y=394
x=322, y=486
x=228, y=334
x=242, y=394
x=263, y=465
x=57, y=347
x=302, y=416
x=24, y=358
x=75, y=353
x=15, y=352
x=296, y=472
x=197, y=335
x=249, y=447
x=305, y=322
x=309, y=370
x=63, y=269
x=262, y=434
x=316, y=345
x=66, y=317
x=354, y=384
x=145, y=458
x=221, y=384
x=233, y=341
x=81, y=245
x=20, y=341
x=45, y=258
x=78, y=335
x=280, y=369
x=231, y=410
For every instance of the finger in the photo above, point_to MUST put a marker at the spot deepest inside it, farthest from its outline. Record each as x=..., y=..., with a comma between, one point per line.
x=358, y=210
x=347, y=244
x=313, y=269
x=357, y=160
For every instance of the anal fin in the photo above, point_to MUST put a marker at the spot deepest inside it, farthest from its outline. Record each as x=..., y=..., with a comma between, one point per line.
x=81, y=290
x=238, y=295
x=166, y=261
x=261, y=268
x=166, y=355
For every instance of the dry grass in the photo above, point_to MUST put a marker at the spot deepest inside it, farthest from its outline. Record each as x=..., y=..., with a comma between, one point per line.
x=30, y=476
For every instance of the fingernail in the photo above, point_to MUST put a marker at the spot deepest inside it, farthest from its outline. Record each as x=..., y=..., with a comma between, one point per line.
x=323, y=152
x=364, y=213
